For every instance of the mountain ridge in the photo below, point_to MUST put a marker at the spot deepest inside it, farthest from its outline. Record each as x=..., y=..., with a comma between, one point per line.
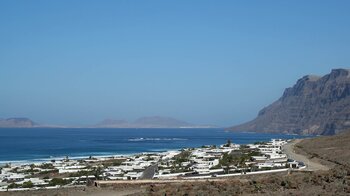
x=315, y=105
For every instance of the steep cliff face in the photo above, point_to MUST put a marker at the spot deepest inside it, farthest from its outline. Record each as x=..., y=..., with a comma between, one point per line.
x=314, y=105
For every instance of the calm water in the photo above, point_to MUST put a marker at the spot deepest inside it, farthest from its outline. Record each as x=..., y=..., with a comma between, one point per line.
x=38, y=144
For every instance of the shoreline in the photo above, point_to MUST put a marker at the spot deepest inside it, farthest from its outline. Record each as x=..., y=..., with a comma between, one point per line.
x=46, y=160
x=116, y=143
x=136, y=139
x=205, y=162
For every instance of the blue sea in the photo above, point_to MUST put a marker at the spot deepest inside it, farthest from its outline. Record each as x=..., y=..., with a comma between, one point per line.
x=43, y=144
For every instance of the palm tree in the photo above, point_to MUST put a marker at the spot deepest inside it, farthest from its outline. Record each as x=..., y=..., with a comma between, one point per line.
x=229, y=142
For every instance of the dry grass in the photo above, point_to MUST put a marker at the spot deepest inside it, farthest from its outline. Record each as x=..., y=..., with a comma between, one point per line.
x=334, y=149
x=333, y=182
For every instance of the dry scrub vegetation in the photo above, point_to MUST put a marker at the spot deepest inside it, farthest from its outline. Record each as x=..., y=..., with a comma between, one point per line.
x=333, y=182
x=335, y=149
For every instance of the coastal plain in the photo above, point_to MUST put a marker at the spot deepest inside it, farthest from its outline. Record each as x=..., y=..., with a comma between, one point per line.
x=335, y=181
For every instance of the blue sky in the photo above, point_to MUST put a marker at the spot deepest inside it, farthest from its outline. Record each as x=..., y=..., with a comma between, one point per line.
x=207, y=62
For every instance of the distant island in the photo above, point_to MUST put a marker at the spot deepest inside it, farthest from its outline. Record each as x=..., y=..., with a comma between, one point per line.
x=149, y=122
x=315, y=105
x=144, y=122
x=17, y=122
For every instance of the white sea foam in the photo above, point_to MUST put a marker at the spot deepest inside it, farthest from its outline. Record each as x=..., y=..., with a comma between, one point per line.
x=46, y=160
x=155, y=139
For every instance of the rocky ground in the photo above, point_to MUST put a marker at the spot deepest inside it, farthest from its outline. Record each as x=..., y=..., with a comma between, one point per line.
x=312, y=164
x=333, y=150
x=82, y=191
x=333, y=182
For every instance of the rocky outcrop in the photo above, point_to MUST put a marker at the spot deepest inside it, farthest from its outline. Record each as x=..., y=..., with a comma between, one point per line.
x=314, y=105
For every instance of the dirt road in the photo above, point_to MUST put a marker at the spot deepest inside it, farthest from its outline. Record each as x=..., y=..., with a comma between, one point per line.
x=310, y=164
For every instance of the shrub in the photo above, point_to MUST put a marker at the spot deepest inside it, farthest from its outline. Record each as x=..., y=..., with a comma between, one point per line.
x=47, y=166
x=48, y=172
x=59, y=181
x=27, y=184
x=12, y=186
x=182, y=157
x=283, y=183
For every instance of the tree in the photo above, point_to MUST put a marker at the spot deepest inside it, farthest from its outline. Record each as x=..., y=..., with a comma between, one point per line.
x=228, y=143
x=226, y=161
x=27, y=184
x=12, y=186
x=182, y=157
x=97, y=172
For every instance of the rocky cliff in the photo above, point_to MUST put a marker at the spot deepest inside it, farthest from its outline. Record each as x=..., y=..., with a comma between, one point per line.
x=314, y=105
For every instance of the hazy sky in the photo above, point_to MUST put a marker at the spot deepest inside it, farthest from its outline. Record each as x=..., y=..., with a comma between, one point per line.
x=210, y=62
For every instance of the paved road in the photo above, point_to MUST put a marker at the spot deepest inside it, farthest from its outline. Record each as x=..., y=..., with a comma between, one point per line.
x=149, y=172
x=310, y=165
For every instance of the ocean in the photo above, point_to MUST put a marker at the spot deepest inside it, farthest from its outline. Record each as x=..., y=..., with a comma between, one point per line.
x=44, y=144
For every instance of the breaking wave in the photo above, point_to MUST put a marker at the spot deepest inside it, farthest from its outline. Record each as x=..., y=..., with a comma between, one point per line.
x=141, y=139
